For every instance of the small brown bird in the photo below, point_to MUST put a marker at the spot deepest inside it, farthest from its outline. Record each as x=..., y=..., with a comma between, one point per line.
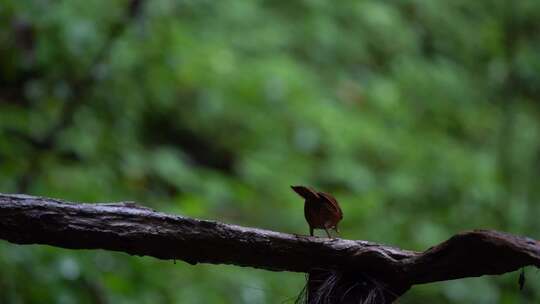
x=321, y=209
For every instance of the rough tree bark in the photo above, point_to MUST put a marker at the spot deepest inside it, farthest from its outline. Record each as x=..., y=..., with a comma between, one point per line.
x=366, y=266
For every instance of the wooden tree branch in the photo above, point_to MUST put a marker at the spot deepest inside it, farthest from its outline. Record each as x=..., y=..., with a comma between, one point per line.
x=137, y=230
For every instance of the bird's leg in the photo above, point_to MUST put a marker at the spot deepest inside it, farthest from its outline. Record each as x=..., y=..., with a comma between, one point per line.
x=310, y=231
x=327, y=232
x=337, y=229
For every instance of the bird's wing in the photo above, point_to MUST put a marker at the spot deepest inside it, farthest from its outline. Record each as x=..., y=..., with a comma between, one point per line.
x=331, y=202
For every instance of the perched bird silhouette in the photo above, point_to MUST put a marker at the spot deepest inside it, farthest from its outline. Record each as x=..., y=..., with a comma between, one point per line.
x=321, y=209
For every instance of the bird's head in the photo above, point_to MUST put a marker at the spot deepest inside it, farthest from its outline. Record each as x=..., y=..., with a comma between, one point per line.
x=305, y=192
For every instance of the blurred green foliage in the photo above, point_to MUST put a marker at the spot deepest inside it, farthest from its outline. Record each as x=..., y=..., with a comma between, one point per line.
x=420, y=116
